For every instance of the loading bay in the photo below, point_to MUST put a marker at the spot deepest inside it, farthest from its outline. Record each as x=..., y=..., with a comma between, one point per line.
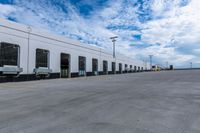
x=151, y=102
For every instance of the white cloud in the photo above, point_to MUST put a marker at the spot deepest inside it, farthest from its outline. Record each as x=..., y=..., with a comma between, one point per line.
x=6, y=10
x=178, y=27
x=173, y=33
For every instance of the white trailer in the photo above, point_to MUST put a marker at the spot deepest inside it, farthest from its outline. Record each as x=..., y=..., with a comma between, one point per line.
x=27, y=53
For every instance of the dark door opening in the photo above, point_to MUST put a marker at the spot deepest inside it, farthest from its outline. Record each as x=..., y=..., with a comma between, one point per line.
x=120, y=68
x=138, y=69
x=9, y=54
x=131, y=68
x=126, y=68
x=42, y=64
x=9, y=59
x=65, y=65
x=135, y=68
x=42, y=58
x=82, y=66
x=105, y=67
x=113, y=68
x=94, y=66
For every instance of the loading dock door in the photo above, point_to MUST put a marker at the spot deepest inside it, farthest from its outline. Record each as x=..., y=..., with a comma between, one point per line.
x=131, y=68
x=113, y=68
x=94, y=66
x=9, y=54
x=9, y=59
x=135, y=68
x=138, y=69
x=120, y=68
x=105, y=67
x=65, y=65
x=126, y=68
x=82, y=66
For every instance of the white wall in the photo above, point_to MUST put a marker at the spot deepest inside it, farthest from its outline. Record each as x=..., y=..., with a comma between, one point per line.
x=18, y=34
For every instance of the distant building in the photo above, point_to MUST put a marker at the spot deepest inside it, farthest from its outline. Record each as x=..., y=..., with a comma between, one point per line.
x=171, y=67
x=156, y=68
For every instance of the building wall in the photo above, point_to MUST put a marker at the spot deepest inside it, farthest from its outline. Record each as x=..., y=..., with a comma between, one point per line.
x=29, y=39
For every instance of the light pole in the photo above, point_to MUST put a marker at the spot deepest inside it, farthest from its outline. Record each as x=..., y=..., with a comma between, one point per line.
x=114, y=40
x=150, y=57
x=191, y=65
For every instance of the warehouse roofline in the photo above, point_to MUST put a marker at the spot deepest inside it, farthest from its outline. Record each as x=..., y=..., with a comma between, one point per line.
x=47, y=34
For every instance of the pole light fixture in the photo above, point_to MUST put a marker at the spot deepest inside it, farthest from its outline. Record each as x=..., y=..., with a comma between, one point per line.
x=114, y=40
x=191, y=65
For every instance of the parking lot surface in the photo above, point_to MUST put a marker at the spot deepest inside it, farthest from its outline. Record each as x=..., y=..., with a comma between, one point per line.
x=151, y=102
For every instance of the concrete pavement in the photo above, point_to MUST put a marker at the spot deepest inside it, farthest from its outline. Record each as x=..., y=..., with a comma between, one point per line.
x=152, y=102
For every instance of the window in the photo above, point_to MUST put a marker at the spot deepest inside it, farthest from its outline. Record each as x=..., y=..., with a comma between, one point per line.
x=82, y=65
x=42, y=58
x=9, y=54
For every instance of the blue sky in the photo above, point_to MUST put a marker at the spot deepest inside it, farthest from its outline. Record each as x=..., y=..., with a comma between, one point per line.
x=167, y=29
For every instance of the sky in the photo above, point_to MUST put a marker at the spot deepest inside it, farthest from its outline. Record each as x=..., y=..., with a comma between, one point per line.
x=167, y=29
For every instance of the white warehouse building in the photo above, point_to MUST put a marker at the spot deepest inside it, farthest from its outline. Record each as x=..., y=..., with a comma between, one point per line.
x=27, y=53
